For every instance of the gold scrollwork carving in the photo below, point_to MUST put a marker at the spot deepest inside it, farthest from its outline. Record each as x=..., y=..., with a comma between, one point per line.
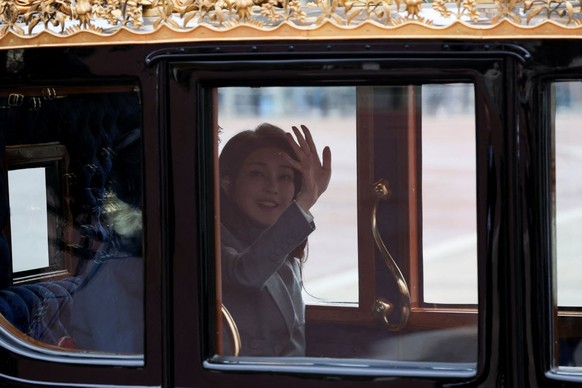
x=123, y=20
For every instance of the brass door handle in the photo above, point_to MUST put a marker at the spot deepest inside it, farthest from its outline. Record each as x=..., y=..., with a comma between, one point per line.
x=384, y=309
x=230, y=322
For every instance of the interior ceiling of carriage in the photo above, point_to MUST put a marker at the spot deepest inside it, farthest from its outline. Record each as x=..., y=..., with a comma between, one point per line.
x=33, y=23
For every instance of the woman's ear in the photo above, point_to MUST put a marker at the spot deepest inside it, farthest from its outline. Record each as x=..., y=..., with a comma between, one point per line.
x=225, y=184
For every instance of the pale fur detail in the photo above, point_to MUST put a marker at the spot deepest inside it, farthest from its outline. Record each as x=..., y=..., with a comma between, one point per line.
x=123, y=218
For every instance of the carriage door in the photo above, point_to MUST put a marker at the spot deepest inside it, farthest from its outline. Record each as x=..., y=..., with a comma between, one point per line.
x=395, y=275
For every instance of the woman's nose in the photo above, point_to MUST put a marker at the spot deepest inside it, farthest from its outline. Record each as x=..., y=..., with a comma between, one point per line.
x=271, y=185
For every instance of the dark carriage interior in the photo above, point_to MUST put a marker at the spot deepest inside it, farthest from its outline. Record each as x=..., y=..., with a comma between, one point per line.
x=96, y=129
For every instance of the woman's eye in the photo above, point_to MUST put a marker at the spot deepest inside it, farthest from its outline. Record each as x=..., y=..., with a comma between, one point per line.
x=255, y=173
x=286, y=177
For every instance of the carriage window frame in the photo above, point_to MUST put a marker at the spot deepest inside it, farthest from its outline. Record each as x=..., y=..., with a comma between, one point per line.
x=51, y=156
x=422, y=315
x=566, y=320
x=61, y=233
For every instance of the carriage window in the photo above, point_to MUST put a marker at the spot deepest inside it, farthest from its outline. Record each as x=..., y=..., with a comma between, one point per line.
x=330, y=271
x=566, y=194
x=358, y=202
x=449, y=203
x=71, y=215
x=28, y=207
x=34, y=187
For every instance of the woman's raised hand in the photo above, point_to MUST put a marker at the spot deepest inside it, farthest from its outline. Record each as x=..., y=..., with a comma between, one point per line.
x=316, y=172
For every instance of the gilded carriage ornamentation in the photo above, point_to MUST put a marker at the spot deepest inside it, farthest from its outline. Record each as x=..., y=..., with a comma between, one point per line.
x=48, y=21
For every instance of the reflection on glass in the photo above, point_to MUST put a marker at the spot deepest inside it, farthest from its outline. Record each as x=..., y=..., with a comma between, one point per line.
x=566, y=194
x=79, y=281
x=28, y=221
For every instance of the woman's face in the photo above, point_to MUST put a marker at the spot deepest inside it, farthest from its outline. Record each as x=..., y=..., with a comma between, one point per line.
x=264, y=187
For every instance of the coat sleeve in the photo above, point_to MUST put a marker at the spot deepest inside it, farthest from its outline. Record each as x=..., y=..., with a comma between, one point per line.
x=252, y=266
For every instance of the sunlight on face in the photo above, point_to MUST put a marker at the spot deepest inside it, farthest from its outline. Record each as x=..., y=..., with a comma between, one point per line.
x=265, y=186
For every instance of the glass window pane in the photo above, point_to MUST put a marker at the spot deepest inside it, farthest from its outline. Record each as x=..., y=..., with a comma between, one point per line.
x=269, y=224
x=566, y=193
x=28, y=221
x=330, y=113
x=449, y=200
x=568, y=190
x=73, y=262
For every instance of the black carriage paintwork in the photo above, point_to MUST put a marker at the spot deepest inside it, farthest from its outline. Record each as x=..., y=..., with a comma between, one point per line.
x=515, y=319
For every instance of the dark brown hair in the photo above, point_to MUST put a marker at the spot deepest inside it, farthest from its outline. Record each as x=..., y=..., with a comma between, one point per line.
x=238, y=148
x=246, y=142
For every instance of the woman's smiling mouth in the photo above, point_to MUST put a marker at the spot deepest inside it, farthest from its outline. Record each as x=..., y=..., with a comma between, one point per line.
x=267, y=204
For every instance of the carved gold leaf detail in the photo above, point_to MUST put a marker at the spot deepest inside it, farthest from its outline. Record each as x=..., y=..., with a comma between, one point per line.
x=463, y=8
x=506, y=10
x=550, y=9
x=27, y=18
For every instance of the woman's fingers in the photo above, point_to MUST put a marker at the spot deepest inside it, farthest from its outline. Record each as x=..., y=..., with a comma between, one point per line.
x=309, y=138
x=292, y=162
x=316, y=172
x=310, y=142
x=325, y=169
x=306, y=156
x=327, y=159
x=296, y=148
x=305, y=149
x=304, y=146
